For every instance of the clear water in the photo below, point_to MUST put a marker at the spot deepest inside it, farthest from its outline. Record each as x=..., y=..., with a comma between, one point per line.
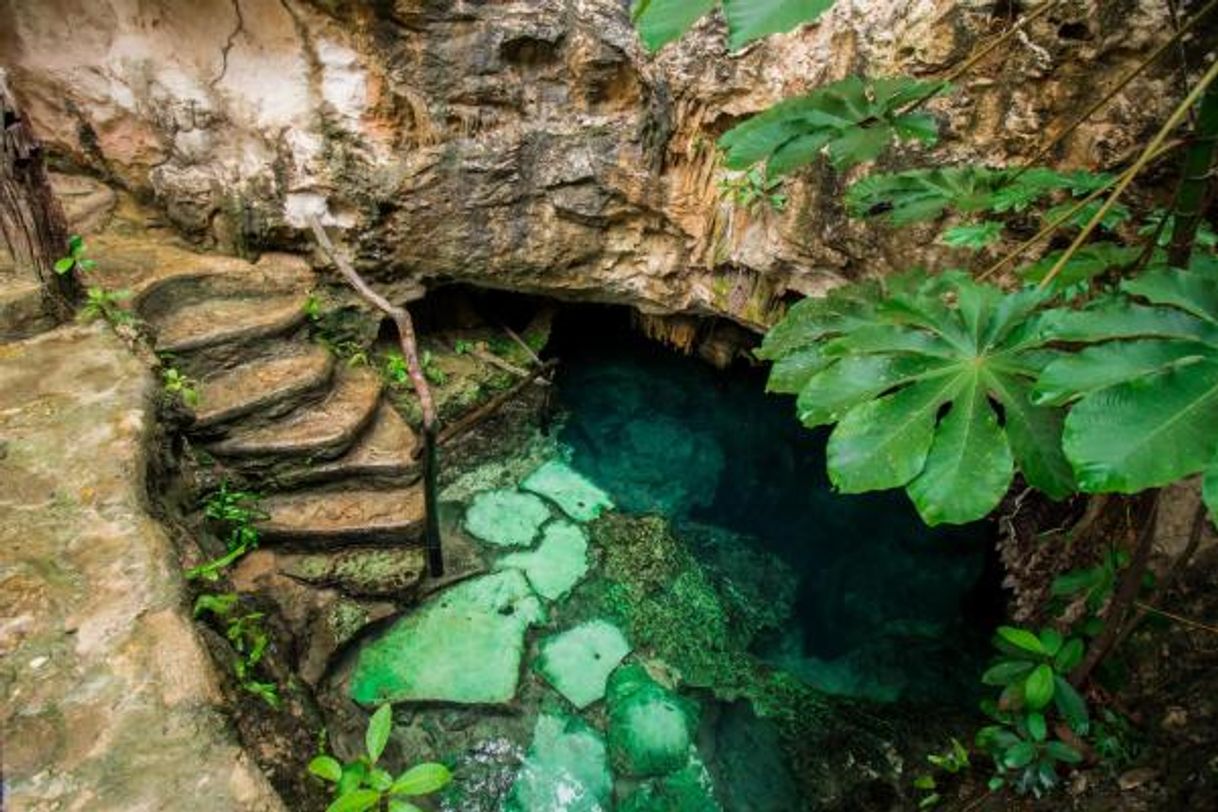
x=885, y=608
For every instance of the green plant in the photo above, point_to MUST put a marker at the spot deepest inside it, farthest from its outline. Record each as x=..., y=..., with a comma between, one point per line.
x=751, y=188
x=360, y=785
x=179, y=386
x=1032, y=671
x=882, y=361
x=237, y=512
x=248, y=638
x=662, y=21
x=394, y=369
x=104, y=304
x=463, y=347
x=313, y=308
x=431, y=369
x=852, y=121
x=952, y=761
x=75, y=258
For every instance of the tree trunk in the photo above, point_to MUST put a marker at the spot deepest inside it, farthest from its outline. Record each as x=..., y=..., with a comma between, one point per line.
x=32, y=222
x=410, y=351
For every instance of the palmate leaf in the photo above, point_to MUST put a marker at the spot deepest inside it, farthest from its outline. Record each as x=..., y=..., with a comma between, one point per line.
x=1086, y=263
x=852, y=121
x=1145, y=397
x=661, y=21
x=975, y=235
x=929, y=381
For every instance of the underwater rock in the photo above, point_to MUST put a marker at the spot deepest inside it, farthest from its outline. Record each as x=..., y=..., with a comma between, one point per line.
x=689, y=790
x=464, y=646
x=506, y=518
x=578, y=662
x=576, y=495
x=557, y=565
x=566, y=769
x=651, y=729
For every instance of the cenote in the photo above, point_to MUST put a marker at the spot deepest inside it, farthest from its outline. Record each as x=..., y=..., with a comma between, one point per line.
x=680, y=613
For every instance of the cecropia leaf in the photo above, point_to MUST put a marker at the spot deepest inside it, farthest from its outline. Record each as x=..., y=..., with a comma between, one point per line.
x=748, y=20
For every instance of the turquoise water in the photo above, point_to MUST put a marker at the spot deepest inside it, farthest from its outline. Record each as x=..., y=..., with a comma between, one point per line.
x=884, y=607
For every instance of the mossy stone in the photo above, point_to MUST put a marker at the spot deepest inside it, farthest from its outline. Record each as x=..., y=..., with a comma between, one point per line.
x=651, y=729
x=557, y=565
x=566, y=769
x=464, y=645
x=687, y=790
x=577, y=496
x=578, y=662
x=506, y=518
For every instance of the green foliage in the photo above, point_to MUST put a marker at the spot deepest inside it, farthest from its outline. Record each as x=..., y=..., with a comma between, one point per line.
x=1092, y=585
x=236, y=512
x=1033, y=672
x=463, y=346
x=662, y=21
x=75, y=258
x=106, y=304
x=1086, y=263
x=1144, y=394
x=361, y=784
x=431, y=369
x=974, y=236
x=341, y=330
x=852, y=121
x=178, y=386
x=751, y=188
x=394, y=369
x=248, y=638
x=952, y=761
x=882, y=363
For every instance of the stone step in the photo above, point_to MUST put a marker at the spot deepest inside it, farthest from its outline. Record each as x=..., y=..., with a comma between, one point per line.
x=327, y=519
x=318, y=431
x=262, y=386
x=384, y=454
x=226, y=321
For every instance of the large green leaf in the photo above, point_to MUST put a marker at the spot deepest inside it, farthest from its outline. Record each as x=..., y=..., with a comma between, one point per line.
x=750, y=19
x=1094, y=368
x=377, y=734
x=913, y=372
x=356, y=801
x=422, y=779
x=1209, y=489
x=661, y=21
x=969, y=467
x=1147, y=432
x=852, y=120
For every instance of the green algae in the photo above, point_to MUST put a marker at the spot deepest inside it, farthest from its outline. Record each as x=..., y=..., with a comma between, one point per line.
x=506, y=518
x=578, y=662
x=651, y=729
x=687, y=790
x=566, y=769
x=464, y=645
x=557, y=565
x=574, y=494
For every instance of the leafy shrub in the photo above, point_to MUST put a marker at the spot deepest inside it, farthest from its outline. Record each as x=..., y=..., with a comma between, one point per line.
x=750, y=189
x=360, y=785
x=248, y=638
x=237, y=512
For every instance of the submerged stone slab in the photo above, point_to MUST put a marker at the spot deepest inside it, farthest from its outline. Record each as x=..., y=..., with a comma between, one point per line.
x=651, y=729
x=688, y=790
x=575, y=494
x=578, y=662
x=506, y=518
x=557, y=565
x=464, y=646
x=566, y=770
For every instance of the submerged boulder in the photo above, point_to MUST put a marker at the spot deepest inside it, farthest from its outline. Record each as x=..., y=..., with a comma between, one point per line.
x=577, y=496
x=464, y=645
x=557, y=565
x=566, y=769
x=578, y=662
x=506, y=518
x=651, y=729
x=688, y=790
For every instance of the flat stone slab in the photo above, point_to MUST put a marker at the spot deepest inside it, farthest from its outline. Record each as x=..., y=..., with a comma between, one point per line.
x=575, y=494
x=565, y=771
x=337, y=518
x=372, y=572
x=651, y=729
x=323, y=430
x=384, y=452
x=464, y=645
x=261, y=384
x=222, y=321
x=578, y=662
x=111, y=701
x=506, y=518
x=557, y=565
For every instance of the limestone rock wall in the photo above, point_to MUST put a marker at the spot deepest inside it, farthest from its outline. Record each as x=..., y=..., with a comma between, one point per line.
x=535, y=145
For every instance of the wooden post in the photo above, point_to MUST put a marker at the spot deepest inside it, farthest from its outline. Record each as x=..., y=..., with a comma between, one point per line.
x=410, y=351
x=32, y=222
